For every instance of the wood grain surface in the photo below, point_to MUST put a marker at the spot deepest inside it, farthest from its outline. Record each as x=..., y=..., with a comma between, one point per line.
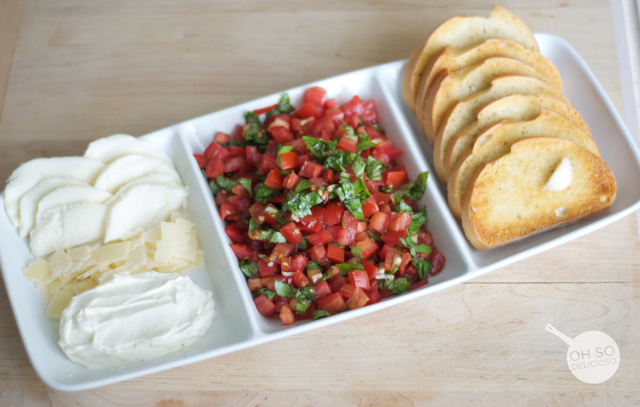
x=86, y=69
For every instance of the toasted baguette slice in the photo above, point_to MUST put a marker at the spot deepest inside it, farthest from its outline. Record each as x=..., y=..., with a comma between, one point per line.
x=452, y=60
x=448, y=89
x=516, y=107
x=507, y=199
x=496, y=142
x=465, y=111
x=463, y=32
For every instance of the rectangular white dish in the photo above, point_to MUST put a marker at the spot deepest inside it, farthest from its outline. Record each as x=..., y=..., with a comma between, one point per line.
x=237, y=324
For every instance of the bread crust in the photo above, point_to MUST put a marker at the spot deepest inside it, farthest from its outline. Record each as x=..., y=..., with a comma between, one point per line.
x=462, y=32
x=493, y=215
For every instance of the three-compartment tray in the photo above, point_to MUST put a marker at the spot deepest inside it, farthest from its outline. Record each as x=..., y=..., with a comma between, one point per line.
x=237, y=324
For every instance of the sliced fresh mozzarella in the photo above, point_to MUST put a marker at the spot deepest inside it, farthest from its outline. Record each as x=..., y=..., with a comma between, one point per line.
x=66, y=226
x=110, y=148
x=142, y=207
x=160, y=179
x=130, y=167
x=72, y=194
x=29, y=174
x=29, y=202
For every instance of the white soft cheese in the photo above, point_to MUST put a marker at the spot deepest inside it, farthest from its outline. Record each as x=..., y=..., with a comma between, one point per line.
x=141, y=207
x=561, y=177
x=67, y=226
x=159, y=179
x=129, y=168
x=134, y=318
x=29, y=174
x=29, y=202
x=71, y=194
x=110, y=148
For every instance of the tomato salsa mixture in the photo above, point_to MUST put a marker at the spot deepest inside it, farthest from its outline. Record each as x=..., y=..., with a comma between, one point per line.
x=319, y=214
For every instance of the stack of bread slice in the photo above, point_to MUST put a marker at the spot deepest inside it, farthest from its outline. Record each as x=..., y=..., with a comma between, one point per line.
x=516, y=156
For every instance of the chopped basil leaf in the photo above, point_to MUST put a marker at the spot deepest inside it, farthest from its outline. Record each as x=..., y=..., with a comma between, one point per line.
x=397, y=285
x=285, y=290
x=374, y=169
x=263, y=192
x=417, y=220
x=319, y=147
x=412, y=190
x=234, y=143
x=363, y=136
x=215, y=188
x=270, y=294
x=304, y=296
x=317, y=314
x=204, y=174
x=252, y=118
x=377, y=128
x=423, y=266
x=249, y=269
x=364, y=145
x=300, y=205
x=313, y=265
x=353, y=195
x=246, y=183
x=348, y=129
x=304, y=244
x=414, y=247
x=226, y=183
x=356, y=251
x=344, y=268
x=376, y=236
x=284, y=106
x=402, y=207
x=302, y=185
x=271, y=235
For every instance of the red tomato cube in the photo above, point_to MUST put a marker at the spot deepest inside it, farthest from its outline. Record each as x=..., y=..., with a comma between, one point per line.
x=308, y=110
x=281, y=134
x=286, y=315
x=370, y=268
x=323, y=290
x=333, y=213
x=379, y=222
x=347, y=290
x=241, y=251
x=332, y=303
x=399, y=221
x=359, y=278
x=320, y=238
x=347, y=144
x=267, y=269
x=318, y=253
x=358, y=299
x=335, y=253
x=264, y=305
x=234, y=233
x=291, y=232
x=315, y=96
x=288, y=161
x=311, y=169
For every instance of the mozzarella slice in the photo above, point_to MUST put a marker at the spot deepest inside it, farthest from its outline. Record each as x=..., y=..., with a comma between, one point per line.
x=142, y=207
x=69, y=195
x=67, y=226
x=128, y=168
x=110, y=148
x=159, y=179
x=29, y=202
x=29, y=174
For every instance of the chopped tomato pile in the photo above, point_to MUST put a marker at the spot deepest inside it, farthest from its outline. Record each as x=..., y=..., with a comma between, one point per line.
x=319, y=214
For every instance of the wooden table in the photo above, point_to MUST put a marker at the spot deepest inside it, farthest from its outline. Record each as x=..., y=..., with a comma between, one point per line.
x=86, y=69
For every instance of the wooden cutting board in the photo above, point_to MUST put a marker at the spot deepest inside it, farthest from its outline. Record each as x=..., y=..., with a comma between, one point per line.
x=86, y=69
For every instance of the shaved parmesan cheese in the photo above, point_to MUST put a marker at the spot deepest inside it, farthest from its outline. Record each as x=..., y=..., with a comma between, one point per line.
x=58, y=303
x=137, y=257
x=163, y=253
x=80, y=253
x=60, y=263
x=37, y=270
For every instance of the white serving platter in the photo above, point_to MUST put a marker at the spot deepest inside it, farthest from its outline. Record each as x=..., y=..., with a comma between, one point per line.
x=237, y=324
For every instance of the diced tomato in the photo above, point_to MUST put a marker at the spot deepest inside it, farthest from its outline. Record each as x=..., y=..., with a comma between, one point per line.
x=374, y=297
x=411, y=271
x=288, y=161
x=348, y=221
x=335, y=253
x=369, y=115
x=267, y=164
x=274, y=180
x=237, y=151
x=291, y=232
x=379, y=221
x=393, y=237
x=315, y=96
x=358, y=300
x=222, y=138
x=438, y=263
x=399, y=221
x=371, y=270
x=307, y=111
x=267, y=269
x=382, y=198
x=352, y=119
x=385, y=249
x=347, y=290
x=323, y=290
x=296, y=124
x=333, y=213
x=359, y=278
x=393, y=178
x=331, y=104
x=300, y=280
x=425, y=238
x=265, y=109
x=280, y=120
x=336, y=115
x=215, y=150
x=201, y=160
x=318, y=253
x=324, y=123
x=332, y=303
x=241, y=251
x=369, y=208
x=337, y=281
x=353, y=106
x=314, y=275
x=234, y=233
x=320, y=238
x=280, y=251
x=319, y=182
x=227, y=211
x=238, y=133
x=281, y=134
x=311, y=169
x=347, y=144
x=214, y=168
x=419, y=284
x=309, y=225
x=406, y=259
x=264, y=305
x=361, y=228
x=318, y=213
x=393, y=255
x=240, y=203
x=286, y=315
x=253, y=156
x=254, y=284
x=291, y=180
x=222, y=197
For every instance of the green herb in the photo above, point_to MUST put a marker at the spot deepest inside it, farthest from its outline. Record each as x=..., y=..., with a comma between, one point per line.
x=423, y=266
x=363, y=136
x=376, y=236
x=252, y=118
x=353, y=195
x=302, y=185
x=319, y=147
x=304, y=296
x=284, y=106
x=344, y=268
x=412, y=190
x=414, y=247
x=249, y=269
x=246, y=183
x=313, y=265
x=356, y=251
x=397, y=285
x=364, y=145
x=374, y=169
x=204, y=174
x=377, y=128
x=340, y=160
x=317, y=314
x=345, y=177
x=304, y=244
x=263, y=193
x=270, y=294
x=300, y=205
x=285, y=290
x=417, y=220
x=402, y=207
x=271, y=235
x=215, y=188
x=234, y=143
